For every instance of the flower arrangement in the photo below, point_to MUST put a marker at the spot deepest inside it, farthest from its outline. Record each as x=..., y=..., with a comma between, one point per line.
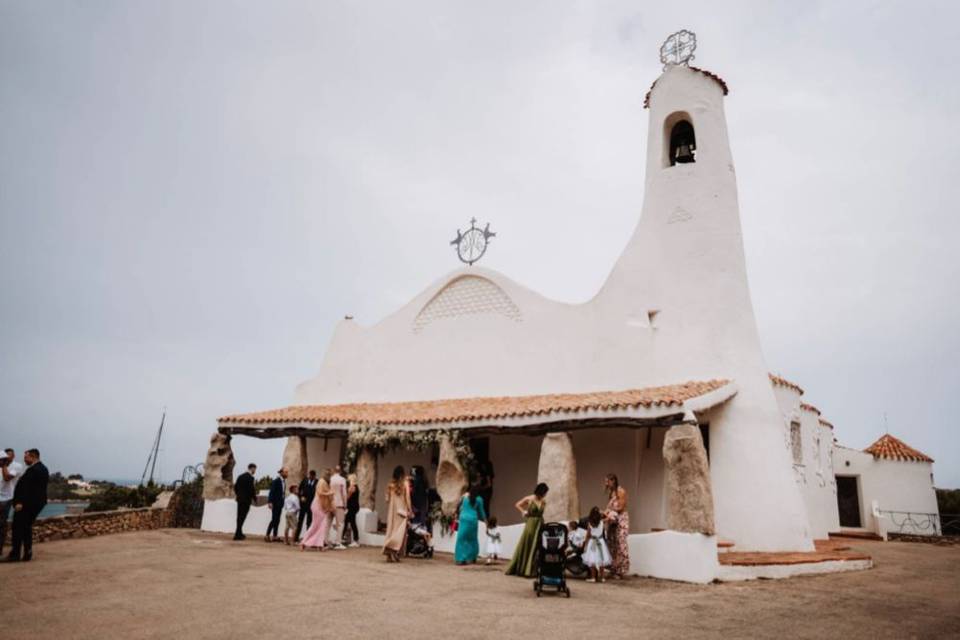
x=379, y=440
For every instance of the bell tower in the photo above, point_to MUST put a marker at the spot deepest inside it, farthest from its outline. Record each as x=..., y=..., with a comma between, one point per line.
x=685, y=266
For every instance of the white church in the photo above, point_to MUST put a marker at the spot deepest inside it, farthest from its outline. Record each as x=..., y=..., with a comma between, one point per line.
x=658, y=378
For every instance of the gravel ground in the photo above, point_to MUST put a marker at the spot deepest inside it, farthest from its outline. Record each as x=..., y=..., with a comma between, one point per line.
x=176, y=583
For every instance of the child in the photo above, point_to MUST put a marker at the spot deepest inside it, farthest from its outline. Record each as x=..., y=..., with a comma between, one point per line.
x=577, y=536
x=494, y=547
x=596, y=554
x=291, y=508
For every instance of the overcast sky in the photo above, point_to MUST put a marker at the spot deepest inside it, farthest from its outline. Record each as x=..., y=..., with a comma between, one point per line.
x=193, y=194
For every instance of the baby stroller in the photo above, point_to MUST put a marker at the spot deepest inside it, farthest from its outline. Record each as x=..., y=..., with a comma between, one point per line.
x=418, y=541
x=552, y=559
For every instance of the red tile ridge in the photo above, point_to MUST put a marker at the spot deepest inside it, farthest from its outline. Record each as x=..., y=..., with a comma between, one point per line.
x=890, y=448
x=783, y=382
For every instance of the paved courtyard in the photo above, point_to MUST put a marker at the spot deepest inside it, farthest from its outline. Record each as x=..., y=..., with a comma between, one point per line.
x=184, y=584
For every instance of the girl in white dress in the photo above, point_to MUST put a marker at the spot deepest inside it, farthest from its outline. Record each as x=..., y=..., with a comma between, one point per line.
x=596, y=554
x=494, y=544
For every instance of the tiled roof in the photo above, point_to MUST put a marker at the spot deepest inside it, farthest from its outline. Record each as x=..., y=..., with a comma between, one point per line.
x=463, y=409
x=825, y=423
x=709, y=74
x=809, y=407
x=891, y=448
x=783, y=382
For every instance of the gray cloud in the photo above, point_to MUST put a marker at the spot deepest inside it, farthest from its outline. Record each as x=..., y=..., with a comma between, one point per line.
x=192, y=195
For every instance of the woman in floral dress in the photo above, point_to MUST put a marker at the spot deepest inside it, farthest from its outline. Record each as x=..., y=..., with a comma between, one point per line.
x=618, y=526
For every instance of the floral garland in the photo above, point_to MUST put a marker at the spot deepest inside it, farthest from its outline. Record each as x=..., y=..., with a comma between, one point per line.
x=379, y=440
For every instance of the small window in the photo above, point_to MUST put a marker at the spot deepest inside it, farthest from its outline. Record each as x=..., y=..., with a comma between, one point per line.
x=796, y=445
x=683, y=143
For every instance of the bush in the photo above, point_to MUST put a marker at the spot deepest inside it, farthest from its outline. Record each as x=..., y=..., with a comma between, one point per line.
x=114, y=497
x=187, y=505
x=948, y=503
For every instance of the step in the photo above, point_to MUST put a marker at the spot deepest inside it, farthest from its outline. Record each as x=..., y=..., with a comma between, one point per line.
x=854, y=534
x=725, y=546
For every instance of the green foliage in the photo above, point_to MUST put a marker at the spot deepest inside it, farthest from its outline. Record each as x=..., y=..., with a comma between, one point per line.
x=113, y=497
x=60, y=489
x=187, y=504
x=75, y=476
x=948, y=500
x=263, y=483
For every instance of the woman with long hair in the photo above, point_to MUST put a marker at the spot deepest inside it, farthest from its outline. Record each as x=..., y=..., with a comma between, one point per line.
x=524, y=560
x=322, y=509
x=618, y=526
x=471, y=513
x=353, y=508
x=398, y=513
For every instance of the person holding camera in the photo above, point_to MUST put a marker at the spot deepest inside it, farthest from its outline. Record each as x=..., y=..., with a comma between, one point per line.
x=10, y=471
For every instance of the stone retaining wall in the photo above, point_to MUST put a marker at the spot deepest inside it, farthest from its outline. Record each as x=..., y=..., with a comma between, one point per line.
x=83, y=525
x=947, y=541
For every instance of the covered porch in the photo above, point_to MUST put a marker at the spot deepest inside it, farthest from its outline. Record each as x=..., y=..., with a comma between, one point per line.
x=655, y=439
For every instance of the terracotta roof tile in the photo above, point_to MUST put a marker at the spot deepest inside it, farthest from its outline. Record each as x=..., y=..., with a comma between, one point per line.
x=891, y=448
x=709, y=74
x=826, y=423
x=783, y=382
x=809, y=407
x=456, y=410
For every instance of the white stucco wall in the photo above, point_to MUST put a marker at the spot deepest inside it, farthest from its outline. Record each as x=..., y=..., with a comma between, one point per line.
x=895, y=486
x=685, y=261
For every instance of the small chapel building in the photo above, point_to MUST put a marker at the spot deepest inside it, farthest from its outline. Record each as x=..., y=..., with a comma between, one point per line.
x=659, y=378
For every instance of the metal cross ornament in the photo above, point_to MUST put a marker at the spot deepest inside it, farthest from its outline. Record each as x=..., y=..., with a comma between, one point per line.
x=678, y=48
x=472, y=243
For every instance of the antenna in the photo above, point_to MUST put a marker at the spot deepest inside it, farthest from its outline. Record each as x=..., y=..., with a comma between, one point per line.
x=154, y=451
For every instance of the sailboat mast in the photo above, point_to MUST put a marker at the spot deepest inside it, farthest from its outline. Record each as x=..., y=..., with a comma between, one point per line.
x=154, y=450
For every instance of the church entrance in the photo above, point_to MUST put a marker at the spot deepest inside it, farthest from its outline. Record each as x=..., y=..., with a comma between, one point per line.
x=848, y=501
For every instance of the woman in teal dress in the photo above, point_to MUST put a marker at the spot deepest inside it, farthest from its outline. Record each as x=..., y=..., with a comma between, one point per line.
x=524, y=560
x=471, y=513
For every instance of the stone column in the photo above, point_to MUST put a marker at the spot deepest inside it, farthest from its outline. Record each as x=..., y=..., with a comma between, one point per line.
x=367, y=478
x=295, y=459
x=451, y=476
x=558, y=468
x=687, y=476
x=218, y=468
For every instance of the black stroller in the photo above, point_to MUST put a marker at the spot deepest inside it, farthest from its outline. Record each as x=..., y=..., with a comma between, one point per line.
x=552, y=559
x=418, y=541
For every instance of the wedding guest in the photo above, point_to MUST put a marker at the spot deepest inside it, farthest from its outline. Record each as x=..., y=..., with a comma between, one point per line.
x=275, y=499
x=10, y=471
x=419, y=495
x=308, y=489
x=618, y=526
x=338, y=484
x=398, y=514
x=322, y=506
x=29, y=498
x=291, y=508
x=596, y=554
x=494, y=541
x=245, y=491
x=353, y=508
x=524, y=560
x=471, y=513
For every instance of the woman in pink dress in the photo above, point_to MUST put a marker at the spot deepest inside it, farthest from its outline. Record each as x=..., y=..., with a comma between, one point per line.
x=322, y=509
x=618, y=526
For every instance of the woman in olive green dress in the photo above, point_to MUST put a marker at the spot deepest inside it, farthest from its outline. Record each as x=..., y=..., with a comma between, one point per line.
x=524, y=560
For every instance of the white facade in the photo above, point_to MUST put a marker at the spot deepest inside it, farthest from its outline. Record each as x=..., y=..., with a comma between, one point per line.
x=890, y=490
x=676, y=307
x=892, y=495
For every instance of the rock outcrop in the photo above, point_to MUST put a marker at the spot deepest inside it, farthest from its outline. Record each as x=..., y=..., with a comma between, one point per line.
x=558, y=468
x=218, y=469
x=367, y=478
x=451, y=476
x=295, y=459
x=689, y=492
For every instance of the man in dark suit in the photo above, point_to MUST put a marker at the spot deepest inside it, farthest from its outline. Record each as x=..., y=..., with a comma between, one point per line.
x=29, y=498
x=308, y=489
x=245, y=490
x=278, y=490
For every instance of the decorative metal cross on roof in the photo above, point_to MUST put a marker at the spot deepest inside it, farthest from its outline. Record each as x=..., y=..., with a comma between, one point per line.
x=472, y=243
x=678, y=48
